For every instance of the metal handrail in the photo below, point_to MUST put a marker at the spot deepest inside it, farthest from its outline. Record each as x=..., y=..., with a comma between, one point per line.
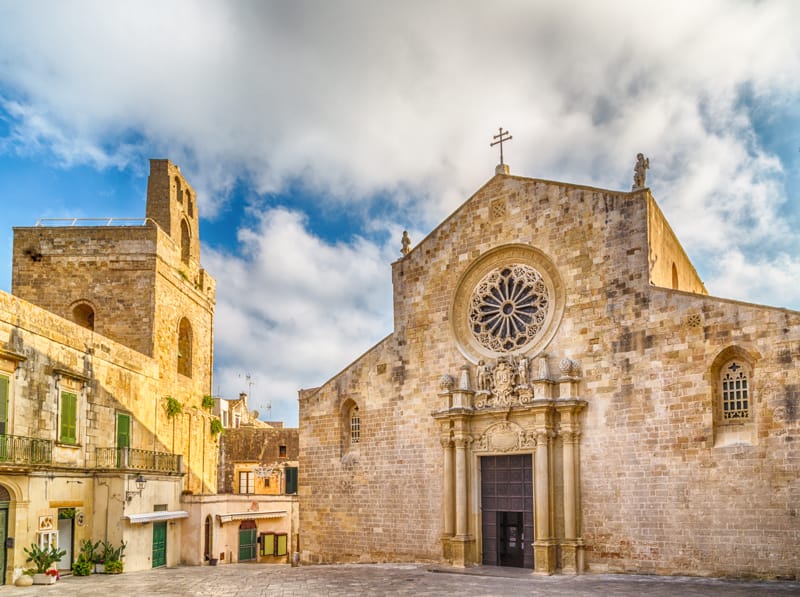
x=18, y=449
x=134, y=458
x=43, y=222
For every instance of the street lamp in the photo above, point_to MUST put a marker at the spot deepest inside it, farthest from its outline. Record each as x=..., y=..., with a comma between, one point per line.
x=141, y=482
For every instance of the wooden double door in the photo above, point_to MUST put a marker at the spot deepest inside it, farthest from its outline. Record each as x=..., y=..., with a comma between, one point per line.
x=507, y=510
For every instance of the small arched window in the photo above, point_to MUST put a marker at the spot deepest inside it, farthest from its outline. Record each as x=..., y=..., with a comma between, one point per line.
x=355, y=426
x=189, y=204
x=186, y=242
x=178, y=190
x=734, y=388
x=83, y=315
x=185, y=348
x=674, y=277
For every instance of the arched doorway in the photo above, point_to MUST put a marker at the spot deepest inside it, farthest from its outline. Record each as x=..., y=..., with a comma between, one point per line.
x=5, y=502
x=208, y=546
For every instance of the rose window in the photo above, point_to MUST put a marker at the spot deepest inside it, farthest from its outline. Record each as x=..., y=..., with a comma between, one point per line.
x=508, y=308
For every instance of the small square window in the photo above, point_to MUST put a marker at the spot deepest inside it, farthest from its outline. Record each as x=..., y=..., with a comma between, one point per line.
x=282, y=451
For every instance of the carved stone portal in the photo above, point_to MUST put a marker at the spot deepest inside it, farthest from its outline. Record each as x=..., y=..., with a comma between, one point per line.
x=547, y=428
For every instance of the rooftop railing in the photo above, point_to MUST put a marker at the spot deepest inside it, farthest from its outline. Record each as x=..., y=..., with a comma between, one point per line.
x=92, y=221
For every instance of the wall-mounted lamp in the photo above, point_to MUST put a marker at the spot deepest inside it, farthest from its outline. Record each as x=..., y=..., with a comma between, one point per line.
x=141, y=482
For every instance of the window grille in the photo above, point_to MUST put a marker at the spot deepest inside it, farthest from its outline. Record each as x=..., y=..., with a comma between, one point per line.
x=735, y=392
x=355, y=426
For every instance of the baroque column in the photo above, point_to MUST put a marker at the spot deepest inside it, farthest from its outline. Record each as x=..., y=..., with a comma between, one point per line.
x=544, y=553
x=572, y=543
x=448, y=488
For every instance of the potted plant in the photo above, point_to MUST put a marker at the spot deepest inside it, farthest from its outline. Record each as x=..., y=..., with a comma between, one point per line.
x=43, y=559
x=112, y=557
x=83, y=565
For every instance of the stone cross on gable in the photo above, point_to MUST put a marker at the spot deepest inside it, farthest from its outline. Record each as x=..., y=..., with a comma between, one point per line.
x=501, y=137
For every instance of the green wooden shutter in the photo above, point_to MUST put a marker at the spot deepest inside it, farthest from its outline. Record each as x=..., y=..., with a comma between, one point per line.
x=281, y=544
x=123, y=430
x=3, y=405
x=69, y=418
x=291, y=479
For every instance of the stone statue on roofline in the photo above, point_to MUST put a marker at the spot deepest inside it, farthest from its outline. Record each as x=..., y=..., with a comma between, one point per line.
x=406, y=243
x=640, y=172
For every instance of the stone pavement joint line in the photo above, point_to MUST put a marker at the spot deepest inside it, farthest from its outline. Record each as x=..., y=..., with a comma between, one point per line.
x=257, y=580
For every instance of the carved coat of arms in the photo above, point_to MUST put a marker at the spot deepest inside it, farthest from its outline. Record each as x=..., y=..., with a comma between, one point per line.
x=503, y=376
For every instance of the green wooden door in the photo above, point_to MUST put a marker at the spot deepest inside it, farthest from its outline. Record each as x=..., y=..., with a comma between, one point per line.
x=123, y=435
x=159, y=544
x=3, y=533
x=3, y=417
x=247, y=544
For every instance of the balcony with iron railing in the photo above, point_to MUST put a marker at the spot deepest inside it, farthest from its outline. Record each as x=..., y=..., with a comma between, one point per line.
x=139, y=460
x=25, y=451
x=29, y=452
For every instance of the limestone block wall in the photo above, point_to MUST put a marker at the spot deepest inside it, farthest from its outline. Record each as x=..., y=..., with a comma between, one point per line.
x=109, y=378
x=660, y=495
x=669, y=265
x=110, y=268
x=255, y=445
x=579, y=229
x=657, y=495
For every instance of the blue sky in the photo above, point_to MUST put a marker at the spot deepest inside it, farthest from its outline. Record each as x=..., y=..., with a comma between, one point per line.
x=316, y=132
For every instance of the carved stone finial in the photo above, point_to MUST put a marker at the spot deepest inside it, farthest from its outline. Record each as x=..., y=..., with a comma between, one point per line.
x=640, y=172
x=446, y=383
x=569, y=368
x=544, y=369
x=463, y=380
x=406, y=243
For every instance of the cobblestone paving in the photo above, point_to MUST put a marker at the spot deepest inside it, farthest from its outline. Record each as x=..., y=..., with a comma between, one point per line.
x=253, y=580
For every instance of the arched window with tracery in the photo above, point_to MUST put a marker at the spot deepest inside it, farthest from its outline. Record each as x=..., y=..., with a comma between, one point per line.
x=734, y=405
x=185, y=347
x=350, y=425
x=355, y=426
x=734, y=388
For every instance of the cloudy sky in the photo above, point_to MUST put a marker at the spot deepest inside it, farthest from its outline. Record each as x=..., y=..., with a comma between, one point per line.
x=315, y=132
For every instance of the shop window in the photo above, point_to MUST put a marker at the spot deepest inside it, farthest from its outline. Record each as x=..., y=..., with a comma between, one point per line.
x=267, y=544
x=281, y=544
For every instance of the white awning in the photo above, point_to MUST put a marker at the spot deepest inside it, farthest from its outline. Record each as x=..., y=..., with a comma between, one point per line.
x=223, y=518
x=156, y=516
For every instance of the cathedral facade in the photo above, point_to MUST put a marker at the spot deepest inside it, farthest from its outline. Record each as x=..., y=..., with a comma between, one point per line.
x=559, y=393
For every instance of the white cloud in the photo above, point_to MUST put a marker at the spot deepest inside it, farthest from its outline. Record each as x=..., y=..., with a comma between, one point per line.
x=293, y=309
x=399, y=101
x=768, y=282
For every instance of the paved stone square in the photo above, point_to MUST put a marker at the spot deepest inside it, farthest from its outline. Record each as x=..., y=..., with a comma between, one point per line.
x=254, y=580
